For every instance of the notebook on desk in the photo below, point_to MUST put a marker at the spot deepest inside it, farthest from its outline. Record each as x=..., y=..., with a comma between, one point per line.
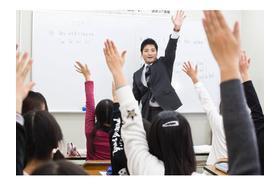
x=222, y=166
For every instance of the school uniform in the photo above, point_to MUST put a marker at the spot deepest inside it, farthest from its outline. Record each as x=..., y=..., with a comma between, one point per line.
x=243, y=157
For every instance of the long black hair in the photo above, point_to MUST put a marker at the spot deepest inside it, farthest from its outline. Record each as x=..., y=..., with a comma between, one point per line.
x=43, y=134
x=104, y=115
x=170, y=140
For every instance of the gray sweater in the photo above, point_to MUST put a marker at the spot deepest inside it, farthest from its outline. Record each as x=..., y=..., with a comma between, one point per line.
x=239, y=129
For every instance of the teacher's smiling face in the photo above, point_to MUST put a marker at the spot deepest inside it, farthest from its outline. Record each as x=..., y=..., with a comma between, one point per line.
x=149, y=53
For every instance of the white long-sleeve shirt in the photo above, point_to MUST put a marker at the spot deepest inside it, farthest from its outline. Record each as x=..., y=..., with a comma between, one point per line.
x=219, y=148
x=139, y=159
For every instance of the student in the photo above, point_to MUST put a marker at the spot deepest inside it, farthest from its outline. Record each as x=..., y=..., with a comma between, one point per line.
x=170, y=149
x=219, y=149
x=239, y=130
x=34, y=101
x=152, y=82
x=43, y=135
x=118, y=157
x=61, y=167
x=98, y=120
x=23, y=66
x=254, y=105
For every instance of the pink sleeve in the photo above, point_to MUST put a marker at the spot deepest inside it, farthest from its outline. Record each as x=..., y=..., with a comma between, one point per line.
x=90, y=107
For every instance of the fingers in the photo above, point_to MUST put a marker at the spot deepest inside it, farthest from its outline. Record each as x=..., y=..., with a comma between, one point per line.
x=78, y=69
x=221, y=19
x=209, y=22
x=86, y=67
x=123, y=54
x=21, y=62
x=236, y=31
x=27, y=68
x=196, y=68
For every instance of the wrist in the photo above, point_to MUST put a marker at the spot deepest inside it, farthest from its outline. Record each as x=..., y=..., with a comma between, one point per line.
x=245, y=77
x=18, y=106
x=194, y=80
x=88, y=78
x=229, y=74
x=176, y=29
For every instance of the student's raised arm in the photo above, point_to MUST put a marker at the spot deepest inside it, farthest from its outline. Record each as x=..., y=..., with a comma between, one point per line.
x=239, y=129
x=89, y=89
x=23, y=66
x=253, y=103
x=133, y=133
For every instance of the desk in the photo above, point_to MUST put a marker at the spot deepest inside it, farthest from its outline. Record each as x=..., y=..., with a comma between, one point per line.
x=93, y=167
x=75, y=158
x=212, y=170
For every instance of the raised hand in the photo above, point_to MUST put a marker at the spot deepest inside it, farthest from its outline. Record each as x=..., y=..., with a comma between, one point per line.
x=114, y=62
x=23, y=66
x=123, y=57
x=190, y=71
x=178, y=20
x=83, y=69
x=115, y=99
x=244, y=64
x=224, y=43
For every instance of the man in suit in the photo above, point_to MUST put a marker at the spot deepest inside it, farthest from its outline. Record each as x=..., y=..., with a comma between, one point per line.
x=152, y=82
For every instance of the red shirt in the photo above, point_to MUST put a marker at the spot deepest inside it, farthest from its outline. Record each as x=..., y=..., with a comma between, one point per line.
x=98, y=146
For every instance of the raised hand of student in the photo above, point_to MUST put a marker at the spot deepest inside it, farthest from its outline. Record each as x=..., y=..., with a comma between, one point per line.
x=244, y=64
x=24, y=64
x=115, y=99
x=190, y=71
x=123, y=57
x=83, y=69
x=224, y=43
x=178, y=20
x=114, y=62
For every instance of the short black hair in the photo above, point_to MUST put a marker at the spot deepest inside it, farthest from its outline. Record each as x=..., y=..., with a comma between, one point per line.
x=148, y=41
x=61, y=167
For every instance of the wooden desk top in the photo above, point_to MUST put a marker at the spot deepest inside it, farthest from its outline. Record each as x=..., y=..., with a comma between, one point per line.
x=212, y=170
x=93, y=167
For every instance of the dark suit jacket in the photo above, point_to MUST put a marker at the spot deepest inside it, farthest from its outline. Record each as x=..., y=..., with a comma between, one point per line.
x=257, y=116
x=20, y=149
x=161, y=76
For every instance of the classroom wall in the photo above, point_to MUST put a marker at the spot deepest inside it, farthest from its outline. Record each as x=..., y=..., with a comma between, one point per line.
x=72, y=124
x=252, y=36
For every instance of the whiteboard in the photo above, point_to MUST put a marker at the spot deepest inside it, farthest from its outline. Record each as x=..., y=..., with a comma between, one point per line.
x=62, y=37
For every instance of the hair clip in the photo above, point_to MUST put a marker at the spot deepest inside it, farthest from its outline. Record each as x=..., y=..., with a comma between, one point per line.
x=171, y=124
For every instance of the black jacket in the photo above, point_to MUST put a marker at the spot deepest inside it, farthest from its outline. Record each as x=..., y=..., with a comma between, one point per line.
x=257, y=116
x=160, y=80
